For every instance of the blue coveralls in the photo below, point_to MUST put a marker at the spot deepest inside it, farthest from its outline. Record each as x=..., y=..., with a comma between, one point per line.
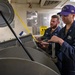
x=47, y=35
x=66, y=52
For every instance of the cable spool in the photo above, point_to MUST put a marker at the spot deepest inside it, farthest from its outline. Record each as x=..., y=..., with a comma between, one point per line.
x=7, y=11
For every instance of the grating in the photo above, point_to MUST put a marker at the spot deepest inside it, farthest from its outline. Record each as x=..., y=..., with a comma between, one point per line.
x=51, y=3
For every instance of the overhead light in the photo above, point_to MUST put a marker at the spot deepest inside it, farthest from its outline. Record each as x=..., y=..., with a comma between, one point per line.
x=72, y=0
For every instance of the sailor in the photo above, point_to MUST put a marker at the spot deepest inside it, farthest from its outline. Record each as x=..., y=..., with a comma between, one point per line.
x=49, y=32
x=65, y=49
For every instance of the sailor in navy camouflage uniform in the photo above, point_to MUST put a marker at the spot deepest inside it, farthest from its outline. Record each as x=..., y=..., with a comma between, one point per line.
x=65, y=49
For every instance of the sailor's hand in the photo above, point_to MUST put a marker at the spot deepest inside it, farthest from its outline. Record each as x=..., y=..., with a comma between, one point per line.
x=44, y=43
x=56, y=39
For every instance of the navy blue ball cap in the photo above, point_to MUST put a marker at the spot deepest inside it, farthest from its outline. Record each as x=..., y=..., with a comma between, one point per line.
x=67, y=9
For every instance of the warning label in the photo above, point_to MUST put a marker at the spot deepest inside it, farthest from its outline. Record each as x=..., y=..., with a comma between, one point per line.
x=42, y=29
